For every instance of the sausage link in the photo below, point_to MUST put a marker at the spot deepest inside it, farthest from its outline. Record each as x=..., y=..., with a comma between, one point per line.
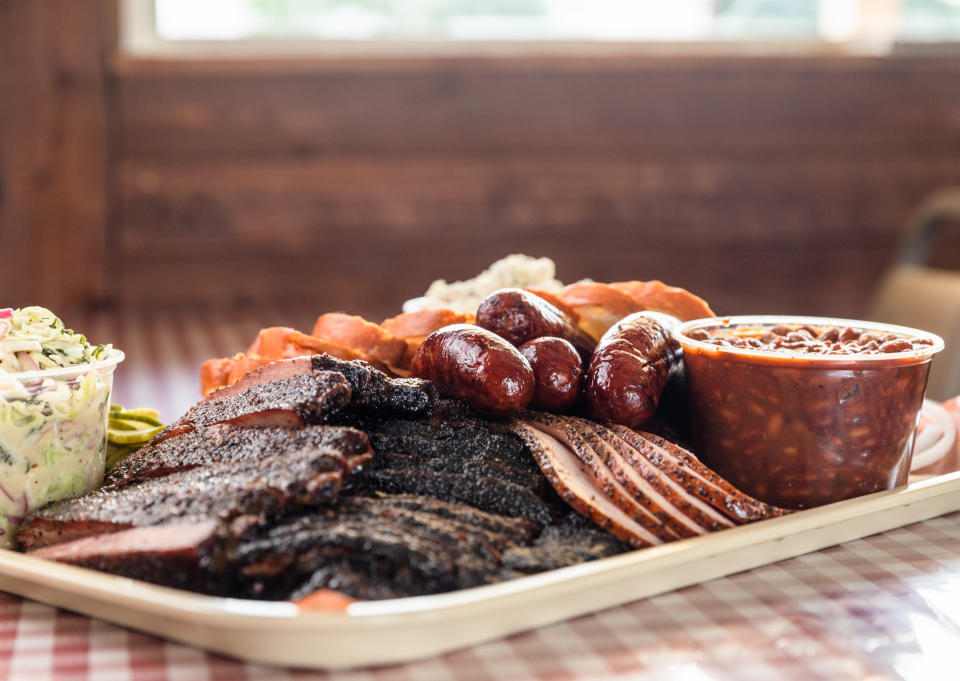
x=519, y=316
x=476, y=366
x=630, y=368
x=558, y=371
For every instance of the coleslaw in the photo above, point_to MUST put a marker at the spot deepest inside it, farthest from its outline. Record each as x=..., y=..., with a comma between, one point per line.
x=54, y=404
x=33, y=338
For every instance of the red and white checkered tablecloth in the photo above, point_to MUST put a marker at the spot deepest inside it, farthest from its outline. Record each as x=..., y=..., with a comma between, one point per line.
x=884, y=607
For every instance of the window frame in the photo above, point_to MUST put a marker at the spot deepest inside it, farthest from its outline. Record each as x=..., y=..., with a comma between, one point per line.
x=139, y=39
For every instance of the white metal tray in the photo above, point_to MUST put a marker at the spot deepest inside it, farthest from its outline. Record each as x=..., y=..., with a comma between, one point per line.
x=379, y=632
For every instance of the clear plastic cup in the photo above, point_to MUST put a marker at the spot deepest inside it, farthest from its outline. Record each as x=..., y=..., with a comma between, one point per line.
x=53, y=436
x=800, y=429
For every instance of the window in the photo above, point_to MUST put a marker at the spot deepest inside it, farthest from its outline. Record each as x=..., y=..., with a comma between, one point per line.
x=376, y=25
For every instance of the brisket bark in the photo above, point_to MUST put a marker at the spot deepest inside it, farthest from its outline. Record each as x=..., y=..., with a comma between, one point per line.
x=229, y=444
x=380, y=546
x=569, y=541
x=376, y=392
x=292, y=401
x=181, y=555
x=454, y=456
x=254, y=490
x=372, y=389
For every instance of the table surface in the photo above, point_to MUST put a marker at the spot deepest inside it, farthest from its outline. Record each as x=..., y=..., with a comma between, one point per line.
x=883, y=607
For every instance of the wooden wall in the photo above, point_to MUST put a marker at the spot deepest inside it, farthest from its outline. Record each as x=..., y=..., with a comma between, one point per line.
x=764, y=184
x=53, y=151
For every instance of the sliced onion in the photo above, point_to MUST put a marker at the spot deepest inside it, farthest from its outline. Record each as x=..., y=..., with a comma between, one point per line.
x=27, y=363
x=20, y=345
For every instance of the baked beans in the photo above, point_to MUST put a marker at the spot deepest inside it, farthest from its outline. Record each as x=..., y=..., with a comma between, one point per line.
x=808, y=339
x=810, y=414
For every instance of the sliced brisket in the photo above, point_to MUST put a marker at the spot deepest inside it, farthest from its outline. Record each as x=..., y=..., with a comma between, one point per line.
x=488, y=494
x=569, y=541
x=258, y=490
x=378, y=546
x=182, y=555
x=374, y=391
x=454, y=446
x=291, y=401
x=454, y=456
x=231, y=445
x=513, y=529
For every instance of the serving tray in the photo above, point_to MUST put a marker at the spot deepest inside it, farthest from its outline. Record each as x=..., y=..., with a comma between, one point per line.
x=380, y=632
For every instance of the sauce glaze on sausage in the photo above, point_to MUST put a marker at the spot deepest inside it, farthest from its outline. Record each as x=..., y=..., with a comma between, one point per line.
x=476, y=366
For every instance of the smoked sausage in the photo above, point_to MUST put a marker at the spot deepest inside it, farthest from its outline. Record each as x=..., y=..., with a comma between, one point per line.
x=519, y=316
x=557, y=369
x=630, y=368
x=476, y=366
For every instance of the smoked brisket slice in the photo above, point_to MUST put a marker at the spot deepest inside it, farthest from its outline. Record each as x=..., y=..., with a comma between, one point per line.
x=372, y=390
x=257, y=490
x=569, y=541
x=514, y=529
x=368, y=547
x=291, y=401
x=182, y=555
x=380, y=546
x=489, y=494
x=451, y=442
x=479, y=469
x=455, y=455
x=233, y=445
x=355, y=581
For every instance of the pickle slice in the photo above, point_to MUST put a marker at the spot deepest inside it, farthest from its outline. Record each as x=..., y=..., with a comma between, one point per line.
x=125, y=437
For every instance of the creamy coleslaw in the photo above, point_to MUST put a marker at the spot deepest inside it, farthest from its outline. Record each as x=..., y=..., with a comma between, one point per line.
x=54, y=404
x=33, y=338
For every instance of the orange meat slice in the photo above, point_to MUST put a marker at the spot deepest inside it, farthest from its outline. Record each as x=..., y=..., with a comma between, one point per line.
x=281, y=342
x=600, y=306
x=659, y=297
x=413, y=327
x=357, y=333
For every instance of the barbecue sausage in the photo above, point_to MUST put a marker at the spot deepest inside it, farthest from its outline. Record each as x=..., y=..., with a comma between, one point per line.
x=557, y=369
x=476, y=366
x=519, y=316
x=630, y=368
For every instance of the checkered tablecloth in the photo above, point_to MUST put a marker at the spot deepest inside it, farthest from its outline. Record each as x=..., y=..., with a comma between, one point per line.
x=884, y=607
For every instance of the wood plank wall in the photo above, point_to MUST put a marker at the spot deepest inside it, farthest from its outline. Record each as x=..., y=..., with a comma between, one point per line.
x=53, y=151
x=764, y=184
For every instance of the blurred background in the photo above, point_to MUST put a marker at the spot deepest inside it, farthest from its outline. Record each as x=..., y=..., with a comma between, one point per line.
x=269, y=160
